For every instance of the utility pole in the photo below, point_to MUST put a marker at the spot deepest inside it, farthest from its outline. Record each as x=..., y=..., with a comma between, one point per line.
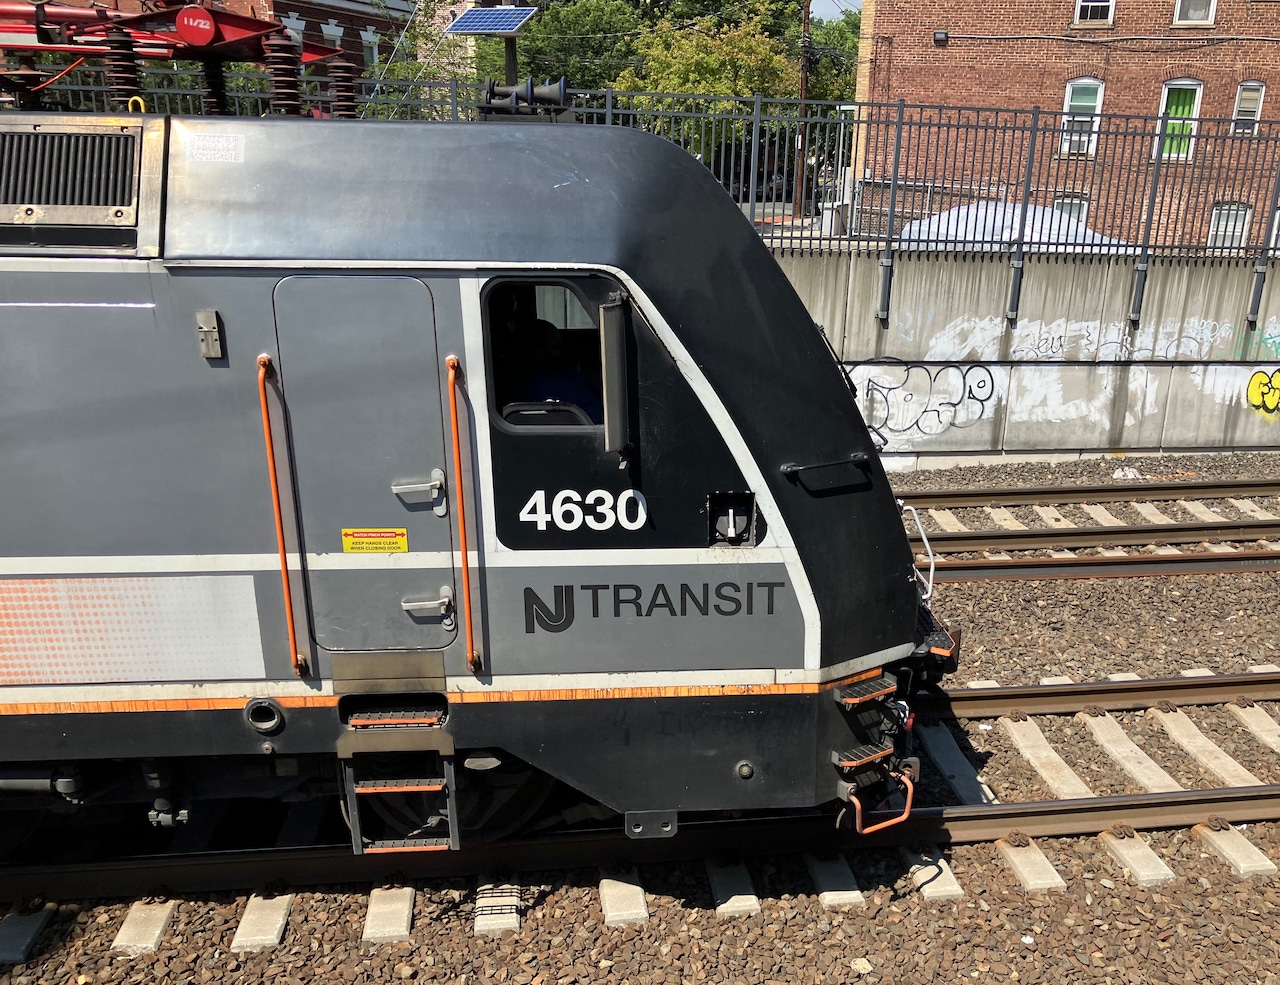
x=802, y=138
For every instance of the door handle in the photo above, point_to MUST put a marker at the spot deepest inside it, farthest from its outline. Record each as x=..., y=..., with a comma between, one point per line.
x=443, y=606
x=436, y=487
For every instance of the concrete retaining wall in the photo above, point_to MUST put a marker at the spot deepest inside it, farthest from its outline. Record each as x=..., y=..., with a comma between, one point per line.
x=950, y=378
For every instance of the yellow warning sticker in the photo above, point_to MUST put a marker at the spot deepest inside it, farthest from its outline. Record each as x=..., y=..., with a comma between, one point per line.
x=375, y=540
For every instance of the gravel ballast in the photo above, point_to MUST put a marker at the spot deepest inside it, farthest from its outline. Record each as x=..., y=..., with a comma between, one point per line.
x=1203, y=927
x=1017, y=632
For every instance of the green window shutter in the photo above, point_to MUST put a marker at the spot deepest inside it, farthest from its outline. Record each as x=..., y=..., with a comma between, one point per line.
x=1179, y=105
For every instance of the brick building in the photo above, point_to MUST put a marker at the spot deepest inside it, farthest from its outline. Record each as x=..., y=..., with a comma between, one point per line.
x=1092, y=67
x=366, y=31
x=1137, y=57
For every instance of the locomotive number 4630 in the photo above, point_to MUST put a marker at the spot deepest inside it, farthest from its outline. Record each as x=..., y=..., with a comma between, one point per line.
x=598, y=509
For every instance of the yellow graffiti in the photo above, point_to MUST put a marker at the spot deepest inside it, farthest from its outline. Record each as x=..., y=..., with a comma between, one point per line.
x=1263, y=392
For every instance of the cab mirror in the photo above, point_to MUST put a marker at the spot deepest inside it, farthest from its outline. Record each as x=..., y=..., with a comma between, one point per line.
x=613, y=363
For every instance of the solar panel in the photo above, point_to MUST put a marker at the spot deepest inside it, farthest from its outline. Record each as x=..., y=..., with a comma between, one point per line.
x=494, y=21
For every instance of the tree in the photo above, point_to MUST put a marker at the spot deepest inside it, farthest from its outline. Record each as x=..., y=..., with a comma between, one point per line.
x=774, y=17
x=835, y=49
x=587, y=41
x=703, y=57
x=419, y=51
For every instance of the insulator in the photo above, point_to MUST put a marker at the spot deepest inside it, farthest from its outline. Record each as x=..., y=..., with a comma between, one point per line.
x=283, y=60
x=22, y=82
x=342, y=87
x=213, y=98
x=123, y=81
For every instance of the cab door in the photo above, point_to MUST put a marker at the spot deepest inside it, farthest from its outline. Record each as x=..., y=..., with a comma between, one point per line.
x=360, y=374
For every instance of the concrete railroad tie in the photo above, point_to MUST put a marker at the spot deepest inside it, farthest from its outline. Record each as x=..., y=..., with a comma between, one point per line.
x=834, y=881
x=390, y=916
x=622, y=898
x=144, y=927
x=734, y=893
x=263, y=923
x=931, y=874
x=497, y=908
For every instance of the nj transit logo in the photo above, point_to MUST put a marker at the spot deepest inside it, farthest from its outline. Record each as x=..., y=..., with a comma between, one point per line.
x=629, y=602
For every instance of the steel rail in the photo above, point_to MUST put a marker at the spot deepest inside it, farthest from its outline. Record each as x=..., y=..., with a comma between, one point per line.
x=1099, y=566
x=1067, y=699
x=1040, y=538
x=812, y=831
x=1108, y=493
x=1093, y=815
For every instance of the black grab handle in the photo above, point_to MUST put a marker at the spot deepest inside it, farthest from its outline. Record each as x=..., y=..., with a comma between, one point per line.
x=858, y=458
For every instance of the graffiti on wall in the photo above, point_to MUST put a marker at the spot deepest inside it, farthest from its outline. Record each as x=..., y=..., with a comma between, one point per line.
x=1263, y=392
x=974, y=338
x=1051, y=345
x=900, y=399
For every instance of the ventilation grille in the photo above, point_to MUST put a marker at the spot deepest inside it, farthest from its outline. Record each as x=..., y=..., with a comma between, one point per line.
x=67, y=169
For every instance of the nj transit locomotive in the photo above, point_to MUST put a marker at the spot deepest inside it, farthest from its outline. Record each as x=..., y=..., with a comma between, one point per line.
x=432, y=470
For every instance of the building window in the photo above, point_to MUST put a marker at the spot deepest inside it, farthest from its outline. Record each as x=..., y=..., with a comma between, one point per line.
x=369, y=42
x=1229, y=225
x=1194, y=11
x=1181, y=104
x=294, y=26
x=1073, y=206
x=1093, y=11
x=1080, y=116
x=332, y=33
x=1248, y=107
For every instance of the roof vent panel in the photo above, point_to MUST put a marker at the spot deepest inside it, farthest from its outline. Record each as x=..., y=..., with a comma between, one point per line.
x=81, y=176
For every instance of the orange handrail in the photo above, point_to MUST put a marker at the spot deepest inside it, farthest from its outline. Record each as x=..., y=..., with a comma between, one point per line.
x=296, y=659
x=455, y=370
x=905, y=777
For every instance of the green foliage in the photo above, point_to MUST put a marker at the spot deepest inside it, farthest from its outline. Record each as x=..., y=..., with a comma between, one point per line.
x=773, y=17
x=702, y=57
x=835, y=48
x=421, y=51
x=712, y=47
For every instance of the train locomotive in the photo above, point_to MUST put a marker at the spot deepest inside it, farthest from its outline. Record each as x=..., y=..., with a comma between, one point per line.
x=434, y=472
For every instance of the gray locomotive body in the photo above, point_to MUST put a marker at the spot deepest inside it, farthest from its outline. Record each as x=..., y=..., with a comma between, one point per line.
x=684, y=574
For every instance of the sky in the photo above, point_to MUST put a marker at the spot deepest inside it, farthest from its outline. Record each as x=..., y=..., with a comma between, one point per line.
x=828, y=9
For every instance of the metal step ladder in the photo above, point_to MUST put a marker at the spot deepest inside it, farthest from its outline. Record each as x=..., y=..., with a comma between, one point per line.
x=401, y=802
x=398, y=778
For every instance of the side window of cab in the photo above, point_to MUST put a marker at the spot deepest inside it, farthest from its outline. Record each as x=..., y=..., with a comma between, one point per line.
x=544, y=346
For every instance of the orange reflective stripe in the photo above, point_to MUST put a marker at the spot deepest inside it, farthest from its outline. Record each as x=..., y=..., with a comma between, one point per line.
x=454, y=697
x=658, y=691
x=158, y=704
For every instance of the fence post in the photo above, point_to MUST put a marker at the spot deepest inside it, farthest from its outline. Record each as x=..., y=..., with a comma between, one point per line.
x=1019, y=253
x=886, y=261
x=453, y=98
x=1260, y=268
x=1144, y=256
x=752, y=180
x=608, y=106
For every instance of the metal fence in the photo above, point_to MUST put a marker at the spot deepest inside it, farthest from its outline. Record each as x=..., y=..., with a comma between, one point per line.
x=877, y=177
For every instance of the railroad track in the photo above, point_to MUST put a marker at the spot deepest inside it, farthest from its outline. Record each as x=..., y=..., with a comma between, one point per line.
x=1210, y=813
x=1067, y=532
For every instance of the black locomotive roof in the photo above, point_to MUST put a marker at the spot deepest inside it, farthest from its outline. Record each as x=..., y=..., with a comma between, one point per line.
x=554, y=194
x=411, y=191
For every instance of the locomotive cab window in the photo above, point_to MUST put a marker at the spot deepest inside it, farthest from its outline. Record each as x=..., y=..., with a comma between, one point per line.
x=544, y=349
